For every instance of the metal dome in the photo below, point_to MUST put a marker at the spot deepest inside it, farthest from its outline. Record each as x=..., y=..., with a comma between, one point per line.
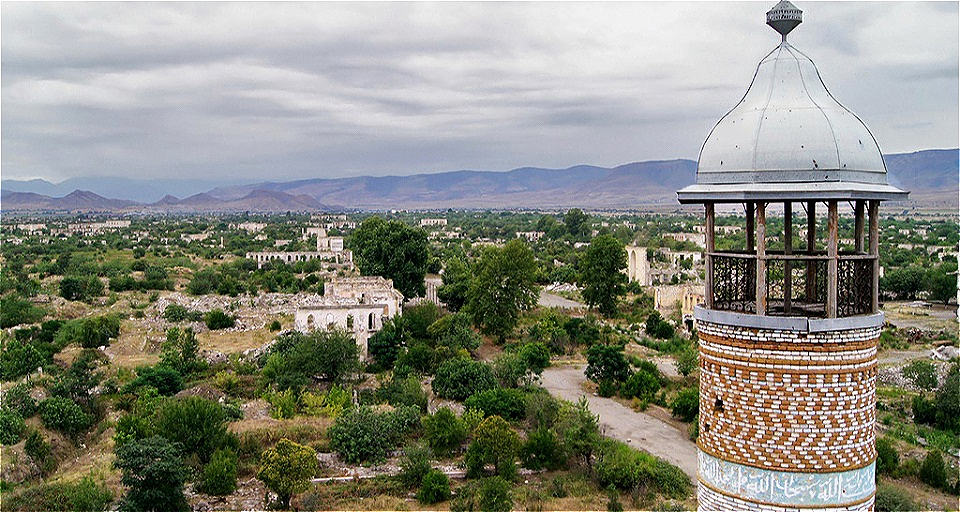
x=789, y=138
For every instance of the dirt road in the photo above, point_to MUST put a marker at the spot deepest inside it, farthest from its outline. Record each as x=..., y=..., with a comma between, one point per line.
x=620, y=422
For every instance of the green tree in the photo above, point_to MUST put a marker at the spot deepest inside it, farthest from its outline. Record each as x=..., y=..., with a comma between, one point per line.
x=181, y=351
x=601, y=274
x=40, y=452
x=456, y=282
x=606, y=363
x=933, y=471
x=642, y=384
x=576, y=222
x=494, y=443
x=657, y=327
x=941, y=282
x=80, y=287
x=393, y=250
x=687, y=404
x=503, y=286
x=287, y=469
x=154, y=474
x=460, y=378
x=903, y=283
x=297, y=357
x=384, y=346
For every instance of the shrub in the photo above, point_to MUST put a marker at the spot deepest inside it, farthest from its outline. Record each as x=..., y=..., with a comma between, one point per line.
x=18, y=399
x=687, y=360
x=216, y=319
x=329, y=404
x=687, y=404
x=494, y=495
x=933, y=471
x=510, y=370
x=40, y=452
x=921, y=373
x=510, y=404
x=11, y=426
x=536, y=357
x=166, y=380
x=620, y=466
x=20, y=358
x=85, y=494
x=924, y=410
x=174, y=313
x=414, y=465
x=887, y=457
x=406, y=391
x=542, y=410
x=892, y=499
x=542, y=450
x=15, y=311
x=641, y=385
x=275, y=326
x=198, y=424
x=360, y=435
x=445, y=432
x=458, y=379
x=948, y=401
x=658, y=328
x=80, y=287
x=219, y=476
x=64, y=415
x=434, y=488
x=133, y=427
x=284, y=404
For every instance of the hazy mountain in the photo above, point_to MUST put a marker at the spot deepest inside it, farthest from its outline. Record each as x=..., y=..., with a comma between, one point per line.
x=134, y=189
x=932, y=177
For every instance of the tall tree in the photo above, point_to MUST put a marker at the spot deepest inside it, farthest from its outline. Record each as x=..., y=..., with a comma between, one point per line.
x=393, y=250
x=456, y=283
x=502, y=287
x=601, y=274
x=576, y=222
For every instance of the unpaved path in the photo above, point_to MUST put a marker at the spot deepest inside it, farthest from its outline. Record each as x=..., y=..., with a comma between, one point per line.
x=620, y=422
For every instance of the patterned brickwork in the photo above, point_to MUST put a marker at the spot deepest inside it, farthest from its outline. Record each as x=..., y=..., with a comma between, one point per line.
x=788, y=400
x=711, y=500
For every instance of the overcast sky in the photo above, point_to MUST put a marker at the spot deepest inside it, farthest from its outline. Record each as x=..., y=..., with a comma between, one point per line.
x=287, y=91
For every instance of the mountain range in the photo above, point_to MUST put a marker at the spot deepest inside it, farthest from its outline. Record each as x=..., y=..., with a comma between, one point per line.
x=930, y=175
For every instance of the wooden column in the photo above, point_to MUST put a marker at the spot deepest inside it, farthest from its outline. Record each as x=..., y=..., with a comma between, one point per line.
x=787, y=264
x=811, y=282
x=750, y=227
x=874, y=212
x=858, y=227
x=761, y=259
x=833, y=224
x=710, y=247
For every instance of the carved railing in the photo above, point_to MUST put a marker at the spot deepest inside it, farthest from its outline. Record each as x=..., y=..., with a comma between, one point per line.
x=796, y=283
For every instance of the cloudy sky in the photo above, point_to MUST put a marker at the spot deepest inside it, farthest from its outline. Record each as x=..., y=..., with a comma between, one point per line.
x=303, y=90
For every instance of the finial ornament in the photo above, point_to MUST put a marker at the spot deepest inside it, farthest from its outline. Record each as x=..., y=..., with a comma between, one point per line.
x=784, y=17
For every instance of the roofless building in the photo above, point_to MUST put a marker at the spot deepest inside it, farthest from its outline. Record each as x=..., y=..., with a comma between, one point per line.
x=788, y=331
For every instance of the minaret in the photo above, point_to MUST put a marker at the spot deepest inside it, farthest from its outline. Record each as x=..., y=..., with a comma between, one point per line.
x=788, y=331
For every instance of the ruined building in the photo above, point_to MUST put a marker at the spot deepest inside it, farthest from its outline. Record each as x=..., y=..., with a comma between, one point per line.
x=788, y=331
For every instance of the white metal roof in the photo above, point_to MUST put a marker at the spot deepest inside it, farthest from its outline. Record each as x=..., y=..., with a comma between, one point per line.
x=789, y=130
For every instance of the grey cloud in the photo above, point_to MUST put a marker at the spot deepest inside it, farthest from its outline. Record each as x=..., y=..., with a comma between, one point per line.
x=299, y=90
